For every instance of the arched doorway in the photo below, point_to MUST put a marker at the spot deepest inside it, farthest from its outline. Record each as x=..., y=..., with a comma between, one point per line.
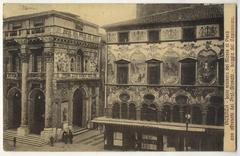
x=14, y=109
x=78, y=108
x=38, y=108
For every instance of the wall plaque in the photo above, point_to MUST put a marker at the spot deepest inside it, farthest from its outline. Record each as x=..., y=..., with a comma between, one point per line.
x=138, y=36
x=168, y=34
x=207, y=31
x=112, y=37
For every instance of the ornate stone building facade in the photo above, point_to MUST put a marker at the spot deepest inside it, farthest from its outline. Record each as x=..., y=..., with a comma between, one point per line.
x=51, y=73
x=165, y=75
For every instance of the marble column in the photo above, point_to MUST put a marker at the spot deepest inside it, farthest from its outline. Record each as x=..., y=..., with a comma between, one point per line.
x=48, y=129
x=24, y=128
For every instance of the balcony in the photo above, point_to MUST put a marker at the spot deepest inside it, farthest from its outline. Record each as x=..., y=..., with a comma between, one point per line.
x=36, y=76
x=76, y=76
x=13, y=75
x=52, y=30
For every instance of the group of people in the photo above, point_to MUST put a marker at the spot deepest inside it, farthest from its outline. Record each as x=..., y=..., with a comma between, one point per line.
x=67, y=137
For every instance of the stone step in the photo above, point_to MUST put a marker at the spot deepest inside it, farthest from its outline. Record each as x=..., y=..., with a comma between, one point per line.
x=80, y=131
x=33, y=140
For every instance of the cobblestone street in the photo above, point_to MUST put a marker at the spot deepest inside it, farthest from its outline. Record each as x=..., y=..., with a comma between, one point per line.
x=89, y=141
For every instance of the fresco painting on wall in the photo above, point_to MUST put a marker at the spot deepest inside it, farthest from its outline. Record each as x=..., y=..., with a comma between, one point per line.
x=138, y=68
x=170, y=67
x=110, y=68
x=62, y=62
x=207, y=63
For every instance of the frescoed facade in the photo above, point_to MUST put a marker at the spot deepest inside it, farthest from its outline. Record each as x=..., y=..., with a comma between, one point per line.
x=165, y=75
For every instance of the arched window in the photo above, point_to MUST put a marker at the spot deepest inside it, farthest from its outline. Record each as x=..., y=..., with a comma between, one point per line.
x=211, y=116
x=116, y=111
x=132, y=111
x=144, y=112
x=72, y=65
x=166, y=113
x=220, y=116
x=152, y=113
x=196, y=115
x=124, y=109
x=188, y=71
x=176, y=114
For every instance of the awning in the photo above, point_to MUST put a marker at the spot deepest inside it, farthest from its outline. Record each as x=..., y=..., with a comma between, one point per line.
x=158, y=125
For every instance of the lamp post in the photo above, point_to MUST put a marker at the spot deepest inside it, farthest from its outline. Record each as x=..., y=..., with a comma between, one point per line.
x=188, y=117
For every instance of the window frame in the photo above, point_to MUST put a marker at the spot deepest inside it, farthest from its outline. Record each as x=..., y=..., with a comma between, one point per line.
x=158, y=36
x=154, y=62
x=119, y=64
x=188, y=60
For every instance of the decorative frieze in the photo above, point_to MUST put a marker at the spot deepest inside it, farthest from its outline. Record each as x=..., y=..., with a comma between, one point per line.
x=168, y=34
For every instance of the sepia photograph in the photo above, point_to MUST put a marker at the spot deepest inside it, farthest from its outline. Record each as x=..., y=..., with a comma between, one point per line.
x=121, y=77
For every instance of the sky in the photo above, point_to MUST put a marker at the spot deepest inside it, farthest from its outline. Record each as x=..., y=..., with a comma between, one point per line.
x=100, y=14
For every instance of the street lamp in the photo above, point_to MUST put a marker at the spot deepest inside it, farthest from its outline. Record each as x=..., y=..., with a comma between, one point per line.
x=188, y=117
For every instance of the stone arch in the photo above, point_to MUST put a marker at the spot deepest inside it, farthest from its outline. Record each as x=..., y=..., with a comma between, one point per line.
x=13, y=108
x=181, y=93
x=36, y=110
x=79, y=109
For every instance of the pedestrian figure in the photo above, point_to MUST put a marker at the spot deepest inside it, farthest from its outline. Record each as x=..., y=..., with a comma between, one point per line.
x=51, y=140
x=70, y=135
x=14, y=141
x=64, y=137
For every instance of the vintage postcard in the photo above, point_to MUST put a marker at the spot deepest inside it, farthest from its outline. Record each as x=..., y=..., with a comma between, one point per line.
x=121, y=77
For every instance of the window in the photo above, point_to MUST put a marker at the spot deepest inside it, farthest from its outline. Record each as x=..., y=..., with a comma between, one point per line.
x=38, y=22
x=36, y=61
x=188, y=71
x=122, y=72
x=123, y=37
x=72, y=65
x=189, y=34
x=15, y=62
x=117, y=139
x=16, y=26
x=153, y=71
x=211, y=116
x=149, y=142
x=196, y=115
x=153, y=36
x=221, y=71
x=144, y=112
x=176, y=114
x=132, y=111
x=116, y=111
x=124, y=110
x=152, y=113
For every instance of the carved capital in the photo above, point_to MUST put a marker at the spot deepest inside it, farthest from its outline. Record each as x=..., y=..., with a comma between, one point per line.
x=24, y=57
x=49, y=57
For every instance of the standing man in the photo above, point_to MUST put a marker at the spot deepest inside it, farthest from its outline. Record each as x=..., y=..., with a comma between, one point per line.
x=70, y=135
